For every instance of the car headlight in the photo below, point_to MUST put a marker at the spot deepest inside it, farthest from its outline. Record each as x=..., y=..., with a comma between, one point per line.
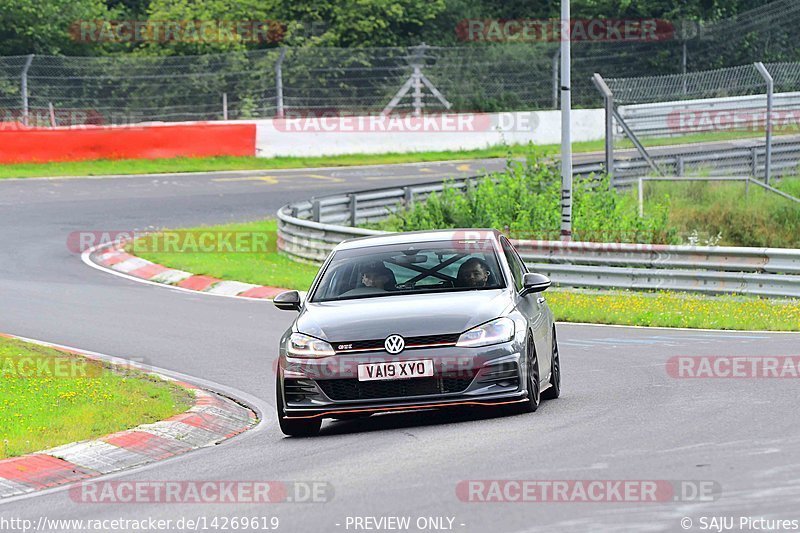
x=300, y=345
x=494, y=332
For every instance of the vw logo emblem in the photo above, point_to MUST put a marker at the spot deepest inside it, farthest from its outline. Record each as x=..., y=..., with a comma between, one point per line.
x=394, y=344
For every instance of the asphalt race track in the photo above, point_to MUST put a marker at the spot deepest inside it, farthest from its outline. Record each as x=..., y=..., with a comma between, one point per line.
x=621, y=416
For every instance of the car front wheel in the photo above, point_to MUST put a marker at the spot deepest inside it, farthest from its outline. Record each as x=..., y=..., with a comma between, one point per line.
x=554, y=391
x=534, y=394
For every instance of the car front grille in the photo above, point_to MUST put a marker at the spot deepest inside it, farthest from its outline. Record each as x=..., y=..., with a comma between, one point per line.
x=352, y=389
x=448, y=339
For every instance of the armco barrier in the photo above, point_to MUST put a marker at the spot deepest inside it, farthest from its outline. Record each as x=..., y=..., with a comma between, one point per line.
x=19, y=144
x=309, y=230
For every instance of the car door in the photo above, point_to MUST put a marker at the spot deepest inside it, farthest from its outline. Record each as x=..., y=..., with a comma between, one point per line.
x=532, y=306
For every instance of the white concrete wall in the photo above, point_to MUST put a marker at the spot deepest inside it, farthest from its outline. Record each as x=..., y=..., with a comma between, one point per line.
x=315, y=136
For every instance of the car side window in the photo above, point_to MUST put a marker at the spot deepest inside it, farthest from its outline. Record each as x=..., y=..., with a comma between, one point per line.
x=517, y=270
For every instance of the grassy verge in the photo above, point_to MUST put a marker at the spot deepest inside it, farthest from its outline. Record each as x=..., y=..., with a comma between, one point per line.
x=666, y=309
x=49, y=398
x=675, y=310
x=211, y=164
x=728, y=215
x=268, y=268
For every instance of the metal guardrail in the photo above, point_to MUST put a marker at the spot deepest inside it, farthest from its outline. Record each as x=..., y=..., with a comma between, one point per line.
x=663, y=119
x=309, y=230
x=747, y=158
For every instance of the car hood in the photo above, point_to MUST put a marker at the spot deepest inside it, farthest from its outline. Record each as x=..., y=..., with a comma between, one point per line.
x=407, y=315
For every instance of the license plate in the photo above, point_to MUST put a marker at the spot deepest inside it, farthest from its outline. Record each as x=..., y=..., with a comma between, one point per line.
x=395, y=370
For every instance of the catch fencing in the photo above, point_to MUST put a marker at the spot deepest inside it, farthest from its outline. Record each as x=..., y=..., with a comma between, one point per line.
x=749, y=115
x=309, y=230
x=472, y=77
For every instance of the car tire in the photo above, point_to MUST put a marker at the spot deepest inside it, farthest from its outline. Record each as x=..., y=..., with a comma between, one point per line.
x=554, y=391
x=303, y=427
x=534, y=394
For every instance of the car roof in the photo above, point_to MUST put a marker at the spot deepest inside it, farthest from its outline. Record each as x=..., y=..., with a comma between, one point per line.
x=411, y=237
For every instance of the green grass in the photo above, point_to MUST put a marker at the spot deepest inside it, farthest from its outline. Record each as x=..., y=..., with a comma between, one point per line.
x=268, y=268
x=211, y=164
x=758, y=218
x=668, y=309
x=674, y=309
x=49, y=398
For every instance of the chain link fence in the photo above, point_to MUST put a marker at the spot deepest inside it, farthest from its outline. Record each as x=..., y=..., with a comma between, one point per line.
x=710, y=123
x=472, y=77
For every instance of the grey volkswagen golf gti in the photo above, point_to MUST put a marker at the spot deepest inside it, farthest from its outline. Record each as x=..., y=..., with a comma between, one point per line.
x=416, y=320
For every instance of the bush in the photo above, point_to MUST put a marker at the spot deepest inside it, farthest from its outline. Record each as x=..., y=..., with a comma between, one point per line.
x=525, y=199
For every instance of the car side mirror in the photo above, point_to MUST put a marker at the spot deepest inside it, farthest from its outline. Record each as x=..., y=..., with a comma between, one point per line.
x=288, y=301
x=533, y=282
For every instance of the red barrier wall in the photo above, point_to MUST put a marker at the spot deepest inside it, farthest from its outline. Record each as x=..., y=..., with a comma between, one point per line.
x=35, y=145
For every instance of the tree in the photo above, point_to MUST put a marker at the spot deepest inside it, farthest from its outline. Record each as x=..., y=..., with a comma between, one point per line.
x=45, y=26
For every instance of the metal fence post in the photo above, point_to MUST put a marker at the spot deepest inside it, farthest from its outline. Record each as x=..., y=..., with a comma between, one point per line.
x=279, y=111
x=608, y=100
x=770, y=88
x=556, y=62
x=684, y=55
x=408, y=196
x=417, y=77
x=754, y=161
x=679, y=166
x=224, y=106
x=353, y=209
x=315, y=210
x=417, y=91
x=641, y=197
x=24, y=88
x=52, y=114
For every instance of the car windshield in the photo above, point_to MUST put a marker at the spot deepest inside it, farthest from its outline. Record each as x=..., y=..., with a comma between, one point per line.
x=416, y=268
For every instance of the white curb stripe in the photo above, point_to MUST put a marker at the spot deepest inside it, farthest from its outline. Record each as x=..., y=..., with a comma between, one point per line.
x=194, y=436
x=129, y=265
x=230, y=288
x=98, y=456
x=230, y=416
x=171, y=277
x=12, y=488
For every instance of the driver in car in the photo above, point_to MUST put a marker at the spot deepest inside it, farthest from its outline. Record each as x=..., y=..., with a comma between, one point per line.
x=474, y=272
x=378, y=276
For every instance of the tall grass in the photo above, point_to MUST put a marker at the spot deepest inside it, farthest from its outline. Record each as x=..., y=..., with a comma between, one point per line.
x=526, y=200
x=739, y=216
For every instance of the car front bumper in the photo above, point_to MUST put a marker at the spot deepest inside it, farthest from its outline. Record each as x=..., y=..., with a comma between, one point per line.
x=319, y=388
